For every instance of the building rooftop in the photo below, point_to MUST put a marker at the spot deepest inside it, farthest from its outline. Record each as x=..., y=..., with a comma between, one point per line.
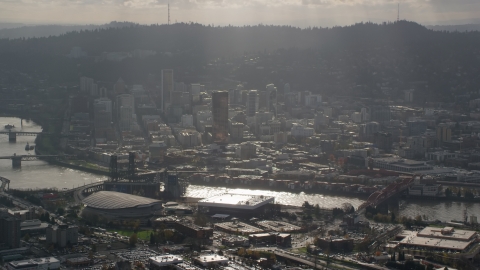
x=243, y=201
x=164, y=260
x=117, y=200
x=446, y=238
x=447, y=233
x=239, y=227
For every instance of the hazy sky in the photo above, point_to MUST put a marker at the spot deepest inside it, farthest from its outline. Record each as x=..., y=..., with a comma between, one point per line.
x=301, y=13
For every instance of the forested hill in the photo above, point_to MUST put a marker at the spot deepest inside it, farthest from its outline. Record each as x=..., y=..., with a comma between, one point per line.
x=313, y=58
x=13, y=31
x=228, y=41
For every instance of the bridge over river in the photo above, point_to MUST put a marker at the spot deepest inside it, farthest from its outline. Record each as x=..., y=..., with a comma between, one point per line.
x=17, y=159
x=388, y=192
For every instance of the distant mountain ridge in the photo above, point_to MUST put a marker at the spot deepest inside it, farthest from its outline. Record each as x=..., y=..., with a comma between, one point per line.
x=453, y=28
x=16, y=30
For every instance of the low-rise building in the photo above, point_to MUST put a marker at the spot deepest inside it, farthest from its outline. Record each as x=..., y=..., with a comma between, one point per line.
x=441, y=239
x=159, y=262
x=39, y=263
x=210, y=260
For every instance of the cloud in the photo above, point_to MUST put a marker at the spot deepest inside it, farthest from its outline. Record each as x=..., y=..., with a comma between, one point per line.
x=238, y=12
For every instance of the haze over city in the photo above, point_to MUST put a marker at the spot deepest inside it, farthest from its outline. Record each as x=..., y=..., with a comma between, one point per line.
x=240, y=135
x=300, y=13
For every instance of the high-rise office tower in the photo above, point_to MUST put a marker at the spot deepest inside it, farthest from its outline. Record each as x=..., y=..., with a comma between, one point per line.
x=86, y=85
x=220, y=116
x=9, y=229
x=271, y=100
x=286, y=89
x=119, y=87
x=252, y=102
x=166, y=87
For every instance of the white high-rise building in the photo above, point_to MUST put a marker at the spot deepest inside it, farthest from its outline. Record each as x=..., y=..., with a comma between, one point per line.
x=106, y=102
x=286, y=89
x=125, y=118
x=271, y=100
x=187, y=120
x=252, y=103
x=166, y=88
x=86, y=84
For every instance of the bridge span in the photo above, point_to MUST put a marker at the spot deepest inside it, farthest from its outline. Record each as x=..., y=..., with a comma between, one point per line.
x=17, y=159
x=12, y=135
x=386, y=193
x=5, y=183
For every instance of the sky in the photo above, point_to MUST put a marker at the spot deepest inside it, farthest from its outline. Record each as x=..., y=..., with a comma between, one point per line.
x=301, y=13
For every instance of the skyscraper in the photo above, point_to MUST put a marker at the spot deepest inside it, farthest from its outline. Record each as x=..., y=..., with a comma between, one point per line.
x=119, y=87
x=271, y=100
x=220, y=116
x=86, y=85
x=252, y=103
x=9, y=229
x=166, y=88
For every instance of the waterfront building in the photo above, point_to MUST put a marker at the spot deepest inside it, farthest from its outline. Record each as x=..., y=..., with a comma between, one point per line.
x=236, y=204
x=400, y=165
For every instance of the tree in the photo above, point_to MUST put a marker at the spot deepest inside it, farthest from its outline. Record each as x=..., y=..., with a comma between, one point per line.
x=448, y=192
x=26, y=237
x=61, y=211
x=469, y=195
x=392, y=217
x=459, y=194
x=133, y=240
x=94, y=248
x=152, y=238
x=306, y=205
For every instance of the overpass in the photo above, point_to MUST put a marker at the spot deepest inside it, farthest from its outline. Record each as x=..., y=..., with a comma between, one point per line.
x=17, y=159
x=386, y=193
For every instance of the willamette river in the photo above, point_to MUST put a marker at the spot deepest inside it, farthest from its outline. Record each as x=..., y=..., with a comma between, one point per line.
x=40, y=174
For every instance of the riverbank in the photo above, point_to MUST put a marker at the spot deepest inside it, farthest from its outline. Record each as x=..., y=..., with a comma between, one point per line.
x=442, y=199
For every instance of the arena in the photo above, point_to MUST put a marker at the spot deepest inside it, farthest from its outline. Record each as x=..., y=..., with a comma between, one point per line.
x=117, y=205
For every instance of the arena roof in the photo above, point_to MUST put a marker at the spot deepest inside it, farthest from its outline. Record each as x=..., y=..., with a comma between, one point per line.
x=117, y=200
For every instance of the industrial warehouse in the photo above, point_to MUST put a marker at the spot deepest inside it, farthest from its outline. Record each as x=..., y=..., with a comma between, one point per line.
x=236, y=204
x=117, y=205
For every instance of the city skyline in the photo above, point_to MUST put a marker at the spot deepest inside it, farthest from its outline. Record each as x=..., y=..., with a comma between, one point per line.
x=301, y=13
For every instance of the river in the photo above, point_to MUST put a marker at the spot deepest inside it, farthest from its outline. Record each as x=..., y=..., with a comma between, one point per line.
x=40, y=174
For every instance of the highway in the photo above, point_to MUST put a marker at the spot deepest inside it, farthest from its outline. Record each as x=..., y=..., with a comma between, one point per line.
x=309, y=260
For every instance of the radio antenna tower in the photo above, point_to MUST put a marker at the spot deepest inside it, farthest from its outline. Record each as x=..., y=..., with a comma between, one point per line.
x=168, y=13
x=398, y=13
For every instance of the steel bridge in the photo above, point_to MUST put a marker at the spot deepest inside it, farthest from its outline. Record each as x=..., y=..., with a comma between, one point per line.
x=5, y=183
x=17, y=159
x=12, y=135
x=386, y=193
